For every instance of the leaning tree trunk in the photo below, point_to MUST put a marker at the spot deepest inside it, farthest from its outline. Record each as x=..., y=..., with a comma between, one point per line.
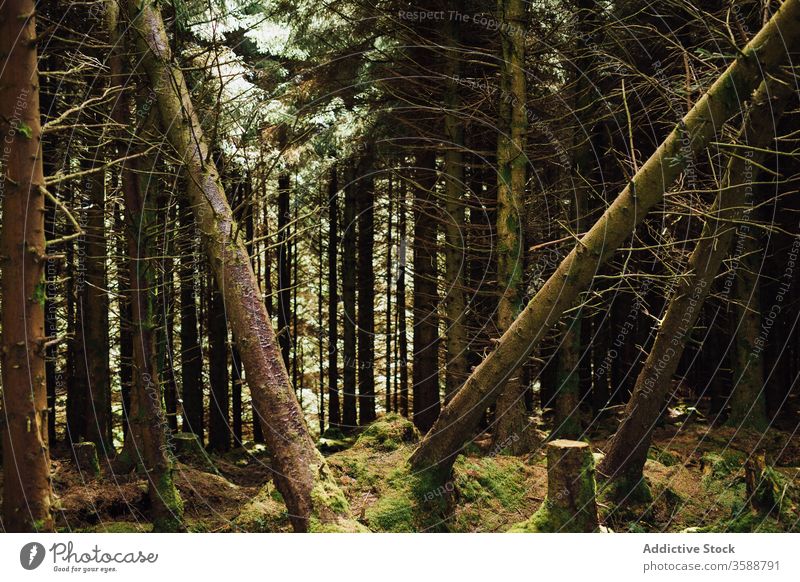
x=461, y=416
x=301, y=474
x=628, y=449
x=27, y=491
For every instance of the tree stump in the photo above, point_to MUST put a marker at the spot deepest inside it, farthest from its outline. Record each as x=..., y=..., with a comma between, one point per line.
x=86, y=458
x=570, y=505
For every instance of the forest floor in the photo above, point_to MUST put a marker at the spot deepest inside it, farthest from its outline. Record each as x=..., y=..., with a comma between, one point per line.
x=696, y=476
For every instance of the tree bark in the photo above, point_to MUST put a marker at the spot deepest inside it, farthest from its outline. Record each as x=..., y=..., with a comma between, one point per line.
x=426, y=296
x=748, y=401
x=457, y=367
x=627, y=450
x=574, y=274
x=402, y=337
x=510, y=413
x=301, y=474
x=191, y=354
x=334, y=407
x=27, y=490
x=219, y=402
x=146, y=438
x=366, y=291
x=349, y=412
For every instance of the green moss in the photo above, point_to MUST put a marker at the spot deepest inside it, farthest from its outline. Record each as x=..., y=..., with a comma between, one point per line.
x=388, y=433
x=392, y=513
x=328, y=497
x=663, y=456
x=628, y=490
x=263, y=514
x=170, y=520
x=718, y=466
x=497, y=478
x=547, y=519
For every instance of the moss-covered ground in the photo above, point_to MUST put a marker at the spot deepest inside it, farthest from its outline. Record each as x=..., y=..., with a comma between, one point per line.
x=694, y=481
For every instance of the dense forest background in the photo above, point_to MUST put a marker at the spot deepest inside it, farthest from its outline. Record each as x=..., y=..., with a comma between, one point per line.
x=392, y=266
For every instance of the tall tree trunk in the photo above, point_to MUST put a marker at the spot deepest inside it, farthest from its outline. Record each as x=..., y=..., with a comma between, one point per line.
x=748, y=402
x=146, y=438
x=457, y=367
x=27, y=491
x=426, y=295
x=389, y=247
x=349, y=412
x=301, y=474
x=191, y=354
x=366, y=291
x=334, y=408
x=219, y=402
x=402, y=337
x=574, y=274
x=566, y=423
x=627, y=450
x=284, y=269
x=511, y=416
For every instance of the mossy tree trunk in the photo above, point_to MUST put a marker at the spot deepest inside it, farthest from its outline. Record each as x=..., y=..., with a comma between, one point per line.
x=510, y=412
x=301, y=474
x=27, y=489
x=462, y=415
x=627, y=451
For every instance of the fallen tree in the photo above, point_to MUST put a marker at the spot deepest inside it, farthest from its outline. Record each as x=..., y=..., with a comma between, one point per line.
x=627, y=451
x=461, y=416
x=300, y=472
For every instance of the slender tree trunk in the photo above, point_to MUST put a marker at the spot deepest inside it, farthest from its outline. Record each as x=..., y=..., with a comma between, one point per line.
x=124, y=302
x=349, y=419
x=301, y=474
x=402, y=337
x=511, y=416
x=366, y=292
x=457, y=367
x=389, y=243
x=462, y=415
x=191, y=354
x=627, y=451
x=426, y=295
x=334, y=408
x=27, y=490
x=219, y=402
x=284, y=269
x=236, y=395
